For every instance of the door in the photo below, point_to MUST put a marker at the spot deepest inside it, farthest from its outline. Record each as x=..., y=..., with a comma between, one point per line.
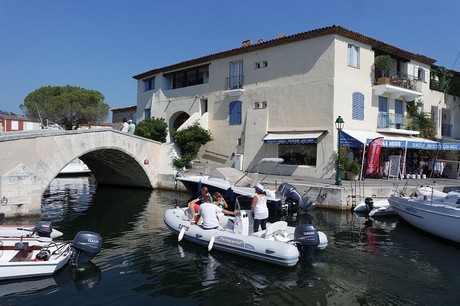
x=236, y=74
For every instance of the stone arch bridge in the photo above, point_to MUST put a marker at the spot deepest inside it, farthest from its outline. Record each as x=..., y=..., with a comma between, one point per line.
x=30, y=160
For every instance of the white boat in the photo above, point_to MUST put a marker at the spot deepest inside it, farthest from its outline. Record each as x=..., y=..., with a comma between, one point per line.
x=383, y=211
x=42, y=229
x=279, y=244
x=436, y=215
x=23, y=258
x=75, y=167
x=232, y=183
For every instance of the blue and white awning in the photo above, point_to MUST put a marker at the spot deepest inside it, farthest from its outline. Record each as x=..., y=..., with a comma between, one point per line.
x=359, y=138
x=292, y=138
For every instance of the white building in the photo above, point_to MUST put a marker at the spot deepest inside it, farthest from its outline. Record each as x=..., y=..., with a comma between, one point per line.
x=281, y=97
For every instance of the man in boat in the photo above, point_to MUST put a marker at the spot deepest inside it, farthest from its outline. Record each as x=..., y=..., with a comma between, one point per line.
x=208, y=214
x=194, y=205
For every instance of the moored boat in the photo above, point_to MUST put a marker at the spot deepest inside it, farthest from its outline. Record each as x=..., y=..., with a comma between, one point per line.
x=438, y=216
x=32, y=258
x=279, y=244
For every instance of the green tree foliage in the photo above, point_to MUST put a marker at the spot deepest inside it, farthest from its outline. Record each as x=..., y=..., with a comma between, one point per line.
x=421, y=121
x=189, y=141
x=67, y=106
x=154, y=128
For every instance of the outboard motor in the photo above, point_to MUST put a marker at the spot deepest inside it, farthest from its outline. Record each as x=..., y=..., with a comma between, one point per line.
x=369, y=203
x=85, y=246
x=307, y=238
x=43, y=229
x=306, y=204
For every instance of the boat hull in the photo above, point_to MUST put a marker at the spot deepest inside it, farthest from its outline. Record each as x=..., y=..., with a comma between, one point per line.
x=442, y=220
x=254, y=247
x=14, y=267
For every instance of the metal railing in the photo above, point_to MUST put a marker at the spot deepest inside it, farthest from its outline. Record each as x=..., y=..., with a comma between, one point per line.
x=235, y=82
x=399, y=79
x=395, y=121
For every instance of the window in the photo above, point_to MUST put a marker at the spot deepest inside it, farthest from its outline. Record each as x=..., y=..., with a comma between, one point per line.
x=264, y=64
x=149, y=84
x=298, y=154
x=353, y=56
x=358, y=106
x=188, y=77
x=14, y=125
x=235, y=79
x=147, y=113
x=257, y=66
x=262, y=104
x=234, y=113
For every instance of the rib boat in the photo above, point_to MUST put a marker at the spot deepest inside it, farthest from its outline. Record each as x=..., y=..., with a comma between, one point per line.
x=279, y=244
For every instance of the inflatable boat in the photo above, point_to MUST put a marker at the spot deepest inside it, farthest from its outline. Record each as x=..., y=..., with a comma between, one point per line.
x=279, y=244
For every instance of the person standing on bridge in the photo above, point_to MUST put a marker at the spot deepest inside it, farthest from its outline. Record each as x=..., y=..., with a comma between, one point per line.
x=125, y=126
x=131, y=127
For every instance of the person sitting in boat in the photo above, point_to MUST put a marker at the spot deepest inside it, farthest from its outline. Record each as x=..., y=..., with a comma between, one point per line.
x=219, y=200
x=259, y=208
x=194, y=205
x=208, y=214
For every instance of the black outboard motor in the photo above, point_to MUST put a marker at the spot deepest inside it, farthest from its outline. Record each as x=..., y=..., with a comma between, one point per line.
x=294, y=199
x=43, y=229
x=85, y=246
x=307, y=238
x=369, y=203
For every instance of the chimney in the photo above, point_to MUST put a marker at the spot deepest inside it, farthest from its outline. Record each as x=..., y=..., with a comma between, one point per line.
x=280, y=36
x=247, y=43
x=260, y=41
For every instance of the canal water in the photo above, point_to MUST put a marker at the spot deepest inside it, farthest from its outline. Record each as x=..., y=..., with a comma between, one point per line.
x=367, y=262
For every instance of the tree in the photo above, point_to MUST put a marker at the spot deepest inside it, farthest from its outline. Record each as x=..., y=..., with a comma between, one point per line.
x=189, y=141
x=155, y=128
x=68, y=106
x=421, y=120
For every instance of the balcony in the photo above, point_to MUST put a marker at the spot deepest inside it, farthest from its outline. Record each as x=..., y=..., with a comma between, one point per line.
x=396, y=123
x=235, y=85
x=397, y=84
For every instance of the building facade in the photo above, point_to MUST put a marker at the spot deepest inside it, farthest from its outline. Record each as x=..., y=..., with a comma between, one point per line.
x=10, y=123
x=281, y=97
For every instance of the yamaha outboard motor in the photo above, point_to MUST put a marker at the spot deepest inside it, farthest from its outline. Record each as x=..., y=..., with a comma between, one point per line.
x=307, y=238
x=294, y=199
x=43, y=229
x=369, y=203
x=85, y=246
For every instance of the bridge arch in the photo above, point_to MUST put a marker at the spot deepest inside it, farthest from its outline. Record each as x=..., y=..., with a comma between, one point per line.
x=31, y=160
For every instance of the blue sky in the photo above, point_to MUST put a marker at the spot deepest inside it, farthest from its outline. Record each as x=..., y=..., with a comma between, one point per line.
x=101, y=44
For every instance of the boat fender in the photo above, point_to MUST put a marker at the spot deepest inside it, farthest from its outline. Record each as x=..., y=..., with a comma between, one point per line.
x=43, y=255
x=211, y=243
x=181, y=234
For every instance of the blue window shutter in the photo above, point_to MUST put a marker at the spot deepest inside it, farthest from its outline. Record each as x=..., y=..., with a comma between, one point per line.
x=358, y=106
x=234, y=113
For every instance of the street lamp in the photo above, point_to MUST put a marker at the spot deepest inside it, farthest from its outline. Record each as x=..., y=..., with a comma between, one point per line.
x=339, y=123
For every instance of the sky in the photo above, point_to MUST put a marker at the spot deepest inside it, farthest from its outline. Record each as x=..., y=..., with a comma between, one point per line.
x=101, y=44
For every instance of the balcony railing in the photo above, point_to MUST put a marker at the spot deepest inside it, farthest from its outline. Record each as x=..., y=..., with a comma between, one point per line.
x=399, y=79
x=397, y=121
x=235, y=82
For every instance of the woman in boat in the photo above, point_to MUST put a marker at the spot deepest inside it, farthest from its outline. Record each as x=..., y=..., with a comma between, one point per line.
x=259, y=208
x=219, y=200
x=208, y=214
x=194, y=205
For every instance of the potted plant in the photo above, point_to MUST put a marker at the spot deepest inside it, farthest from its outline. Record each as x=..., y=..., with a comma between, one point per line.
x=354, y=170
x=382, y=64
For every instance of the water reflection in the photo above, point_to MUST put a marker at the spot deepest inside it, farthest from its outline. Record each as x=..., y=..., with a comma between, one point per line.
x=367, y=262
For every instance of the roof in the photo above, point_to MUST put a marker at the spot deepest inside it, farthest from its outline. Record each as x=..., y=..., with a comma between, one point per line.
x=19, y=118
x=283, y=40
x=124, y=108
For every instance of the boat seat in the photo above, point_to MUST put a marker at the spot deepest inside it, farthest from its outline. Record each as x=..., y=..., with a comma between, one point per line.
x=23, y=255
x=277, y=226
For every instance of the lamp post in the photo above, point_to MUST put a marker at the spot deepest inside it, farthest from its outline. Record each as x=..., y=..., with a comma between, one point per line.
x=339, y=123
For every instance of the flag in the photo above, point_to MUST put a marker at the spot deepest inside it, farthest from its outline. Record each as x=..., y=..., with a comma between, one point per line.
x=373, y=155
